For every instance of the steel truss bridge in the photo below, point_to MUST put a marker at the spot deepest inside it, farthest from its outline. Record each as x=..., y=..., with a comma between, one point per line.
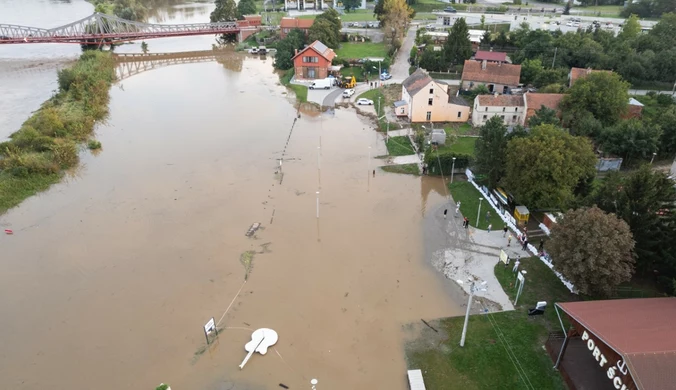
x=103, y=29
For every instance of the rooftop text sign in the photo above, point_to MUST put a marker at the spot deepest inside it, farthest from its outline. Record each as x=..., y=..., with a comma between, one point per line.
x=615, y=370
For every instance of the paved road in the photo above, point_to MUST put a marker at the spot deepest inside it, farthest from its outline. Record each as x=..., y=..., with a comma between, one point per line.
x=399, y=69
x=645, y=92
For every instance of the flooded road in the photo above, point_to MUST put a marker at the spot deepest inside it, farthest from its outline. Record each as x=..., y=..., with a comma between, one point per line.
x=111, y=275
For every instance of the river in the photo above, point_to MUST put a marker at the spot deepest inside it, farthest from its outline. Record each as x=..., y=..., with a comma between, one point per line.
x=111, y=275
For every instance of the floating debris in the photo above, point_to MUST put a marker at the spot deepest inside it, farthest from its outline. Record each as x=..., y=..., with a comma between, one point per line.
x=255, y=226
x=246, y=259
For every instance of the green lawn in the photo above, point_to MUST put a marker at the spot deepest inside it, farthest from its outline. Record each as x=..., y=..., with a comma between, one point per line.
x=463, y=145
x=375, y=95
x=358, y=15
x=484, y=362
x=607, y=10
x=455, y=129
x=300, y=90
x=361, y=50
x=424, y=16
x=468, y=196
x=400, y=146
x=411, y=169
x=356, y=71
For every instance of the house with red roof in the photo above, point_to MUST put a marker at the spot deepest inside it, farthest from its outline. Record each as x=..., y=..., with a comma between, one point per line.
x=313, y=62
x=288, y=24
x=491, y=56
x=498, y=77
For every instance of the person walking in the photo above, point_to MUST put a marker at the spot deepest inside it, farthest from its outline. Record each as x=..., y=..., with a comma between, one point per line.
x=490, y=226
x=504, y=231
x=541, y=247
x=488, y=216
x=509, y=240
x=457, y=209
x=445, y=212
x=525, y=243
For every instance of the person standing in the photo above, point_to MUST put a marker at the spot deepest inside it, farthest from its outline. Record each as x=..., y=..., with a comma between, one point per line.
x=488, y=216
x=509, y=240
x=541, y=247
x=445, y=212
x=504, y=231
x=525, y=243
x=490, y=226
x=516, y=264
x=466, y=223
x=457, y=209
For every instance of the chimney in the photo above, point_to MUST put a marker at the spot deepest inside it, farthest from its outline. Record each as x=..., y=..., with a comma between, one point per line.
x=483, y=65
x=296, y=52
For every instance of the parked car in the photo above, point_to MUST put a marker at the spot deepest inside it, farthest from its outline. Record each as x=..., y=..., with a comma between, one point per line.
x=262, y=50
x=348, y=92
x=569, y=24
x=576, y=24
x=385, y=76
x=450, y=9
x=373, y=24
x=364, y=102
x=253, y=50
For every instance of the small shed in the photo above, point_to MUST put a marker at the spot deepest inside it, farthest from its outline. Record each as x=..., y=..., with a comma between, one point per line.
x=415, y=380
x=401, y=108
x=550, y=219
x=438, y=137
x=521, y=214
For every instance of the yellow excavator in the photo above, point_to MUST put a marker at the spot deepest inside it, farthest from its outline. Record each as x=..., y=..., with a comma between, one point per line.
x=348, y=82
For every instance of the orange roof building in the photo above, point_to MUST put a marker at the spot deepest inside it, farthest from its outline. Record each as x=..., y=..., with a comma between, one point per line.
x=535, y=101
x=288, y=24
x=313, y=62
x=498, y=77
x=577, y=73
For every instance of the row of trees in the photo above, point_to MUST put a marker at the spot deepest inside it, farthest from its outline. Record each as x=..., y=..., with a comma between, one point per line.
x=637, y=57
x=454, y=52
x=649, y=8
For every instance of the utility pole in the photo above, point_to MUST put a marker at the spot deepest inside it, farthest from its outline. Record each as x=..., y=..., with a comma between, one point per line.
x=473, y=289
x=453, y=170
x=478, y=213
x=554, y=60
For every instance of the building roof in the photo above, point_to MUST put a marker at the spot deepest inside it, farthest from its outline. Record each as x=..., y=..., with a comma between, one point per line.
x=576, y=73
x=296, y=23
x=500, y=100
x=458, y=101
x=252, y=17
x=416, y=81
x=320, y=48
x=642, y=331
x=400, y=103
x=490, y=56
x=634, y=102
x=498, y=73
x=549, y=100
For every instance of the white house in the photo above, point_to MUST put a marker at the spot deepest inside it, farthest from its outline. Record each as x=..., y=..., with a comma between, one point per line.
x=510, y=108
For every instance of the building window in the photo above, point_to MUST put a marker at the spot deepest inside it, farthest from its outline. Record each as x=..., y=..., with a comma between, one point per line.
x=503, y=117
x=503, y=109
x=402, y=110
x=486, y=108
x=431, y=91
x=447, y=21
x=485, y=117
x=430, y=101
x=516, y=109
x=429, y=115
x=311, y=59
x=459, y=114
x=514, y=118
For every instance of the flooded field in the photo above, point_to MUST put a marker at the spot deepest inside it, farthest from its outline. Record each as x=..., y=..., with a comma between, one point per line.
x=111, y=275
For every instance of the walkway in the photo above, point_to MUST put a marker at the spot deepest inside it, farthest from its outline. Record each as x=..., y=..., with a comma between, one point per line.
x=399, y=70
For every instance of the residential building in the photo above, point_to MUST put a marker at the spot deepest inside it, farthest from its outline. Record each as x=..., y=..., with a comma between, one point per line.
x=535, y=101
x=634, y=109
x=288, y=24
x=426, y=100
x=577, y=73
x=498, y=77
x=475, y=36
x=510, y=108
x=513, y=109
x=491, y=56
x=254, y=20
x=313, y=62
x=302, y=5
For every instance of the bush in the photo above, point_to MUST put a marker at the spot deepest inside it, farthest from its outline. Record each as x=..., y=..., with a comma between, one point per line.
x=93, y=144
x=445, y=161
x=65, y=153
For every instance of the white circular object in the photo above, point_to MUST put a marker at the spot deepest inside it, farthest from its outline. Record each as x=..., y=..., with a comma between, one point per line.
x=313, y=382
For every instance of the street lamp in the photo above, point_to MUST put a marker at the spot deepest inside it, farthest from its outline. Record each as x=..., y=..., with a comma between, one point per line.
x=478, y=213
x=453, y=170
x=651, y=160
x=472, y=290
x=317, y=204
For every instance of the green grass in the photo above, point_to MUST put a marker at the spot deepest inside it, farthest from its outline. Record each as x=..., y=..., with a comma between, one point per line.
x=463, y=145
x=358, y=15
x=13, y=189
x=375, y=94
x=484, y=363
x=607, y=10
x=356, y=71
x=468, y=196
x=361, y=50
x=400, y=146
x=425, y=16
x=300, y=90
x=410, y=169
x=455, y=129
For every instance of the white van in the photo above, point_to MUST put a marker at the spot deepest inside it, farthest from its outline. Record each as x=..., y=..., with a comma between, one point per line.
x=322, y=83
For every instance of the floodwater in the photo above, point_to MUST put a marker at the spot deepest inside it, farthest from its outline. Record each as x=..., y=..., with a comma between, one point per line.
x=111, y=275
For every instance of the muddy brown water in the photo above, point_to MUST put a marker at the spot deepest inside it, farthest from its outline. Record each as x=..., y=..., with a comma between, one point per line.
x=111, y=274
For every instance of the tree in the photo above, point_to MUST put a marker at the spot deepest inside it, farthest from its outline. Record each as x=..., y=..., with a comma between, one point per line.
x=544, y=168
x=544, y=116
x=631, y=28
x=603, y=94
x=351, y=4
x=667, y=121
x=530, y=69
x=645, y=200
x=593, y=250
x=286, y=48
x=457, y=47
x=245, y=7
x=490, y=150
x=326, y=29
x=379, y=10
x=396, y=15
x=566, y=9
x=225, y=11
x=631, y=139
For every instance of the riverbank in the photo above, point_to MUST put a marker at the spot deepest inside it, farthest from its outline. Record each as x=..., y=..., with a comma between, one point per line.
x=47, y=144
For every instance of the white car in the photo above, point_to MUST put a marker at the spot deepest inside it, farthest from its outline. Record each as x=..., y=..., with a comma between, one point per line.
x=253, y=50
x=569, y=24
x=364, y=102
x=576, y=24
x=348, y=92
